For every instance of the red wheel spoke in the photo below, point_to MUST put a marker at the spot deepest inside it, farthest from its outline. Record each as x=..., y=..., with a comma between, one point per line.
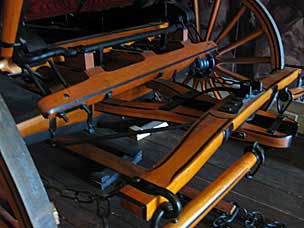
x=9, y=198
x=8, y=217
x=223, y=71
x=212, y=21
x=3, y=195
x=245, y=60
x=230, y=26
x=241, y=42
x=2, y=223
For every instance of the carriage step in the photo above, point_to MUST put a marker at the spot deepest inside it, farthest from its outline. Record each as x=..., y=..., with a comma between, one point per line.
x=269, y=130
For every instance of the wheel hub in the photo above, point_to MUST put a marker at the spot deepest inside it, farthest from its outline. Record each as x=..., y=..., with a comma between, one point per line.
x=204, y=66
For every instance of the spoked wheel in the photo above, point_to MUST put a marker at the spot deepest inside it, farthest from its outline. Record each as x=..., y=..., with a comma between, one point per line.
x=228, y=69
x=12, y=211
x=23, y=199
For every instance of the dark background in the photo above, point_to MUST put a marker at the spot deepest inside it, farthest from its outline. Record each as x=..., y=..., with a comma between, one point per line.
x=289, y=15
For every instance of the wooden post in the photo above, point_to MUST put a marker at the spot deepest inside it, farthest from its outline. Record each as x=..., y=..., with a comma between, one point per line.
x=11, y=12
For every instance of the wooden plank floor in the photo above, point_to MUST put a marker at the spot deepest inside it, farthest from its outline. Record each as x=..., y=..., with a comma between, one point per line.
x=277, y=190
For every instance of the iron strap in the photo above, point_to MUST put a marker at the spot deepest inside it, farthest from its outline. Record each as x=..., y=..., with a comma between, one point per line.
x=8, y=45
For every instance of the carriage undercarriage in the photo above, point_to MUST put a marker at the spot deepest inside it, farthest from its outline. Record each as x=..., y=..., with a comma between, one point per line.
x=166, y=71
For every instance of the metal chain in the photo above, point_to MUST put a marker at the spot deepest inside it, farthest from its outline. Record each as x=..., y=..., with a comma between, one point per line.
x=253, y=219
x=256, y=219
x=102, y=200
x=250, y=219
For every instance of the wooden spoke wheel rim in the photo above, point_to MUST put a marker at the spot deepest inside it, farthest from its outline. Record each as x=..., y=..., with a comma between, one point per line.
x=23, y=200
x=12, y=210
x=267, y=28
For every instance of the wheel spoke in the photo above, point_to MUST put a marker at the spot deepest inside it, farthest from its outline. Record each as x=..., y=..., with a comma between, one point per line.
x=220, y=80
x=223, y=71
x=5, y=192
x=215, y=92
x=197, y=16
x=195, y=83
x=8, y=217
x=241, y=42
x=203, y=84
x=222, y=75
x=3, y=195
x=212, y=21
x=187, y=79
x=232, y=23
x=3, y=224
x=245, y=60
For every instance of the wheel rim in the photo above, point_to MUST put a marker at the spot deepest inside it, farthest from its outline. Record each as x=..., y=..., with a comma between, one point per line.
x=12, y=210
x=23, y=200
x=222, y=71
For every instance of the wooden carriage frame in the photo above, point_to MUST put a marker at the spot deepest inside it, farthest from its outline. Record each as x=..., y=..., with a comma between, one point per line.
x=152, y=194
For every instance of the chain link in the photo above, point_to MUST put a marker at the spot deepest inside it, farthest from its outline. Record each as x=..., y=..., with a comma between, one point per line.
x=102, y=200
x=252, y=219
x=256, y=219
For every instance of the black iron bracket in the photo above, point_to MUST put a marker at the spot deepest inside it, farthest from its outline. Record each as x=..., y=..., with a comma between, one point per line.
x=284, y=100
x=90, y=122
x=8, y=45
x=247, y=91
x=258, y=151
x=225, y=219
x=238, y=134
x=52, y=130
x=173, y=207
x=58, y=74
x=37, y=79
